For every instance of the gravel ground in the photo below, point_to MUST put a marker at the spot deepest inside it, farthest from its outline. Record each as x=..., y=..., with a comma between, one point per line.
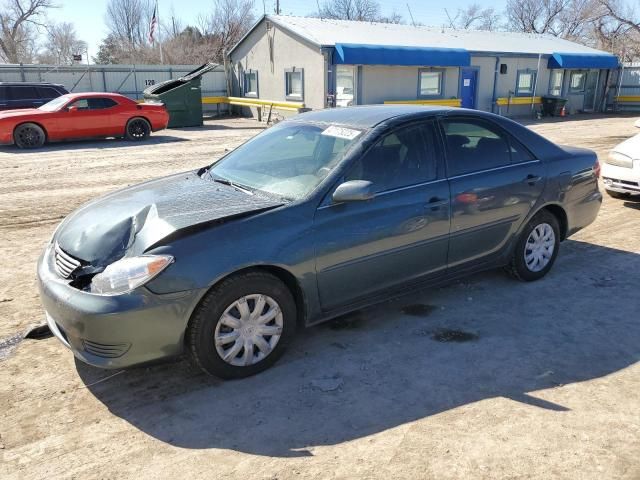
x=544, y=382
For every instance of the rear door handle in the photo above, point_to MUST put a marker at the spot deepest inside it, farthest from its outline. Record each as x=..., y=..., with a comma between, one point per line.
x=435, y=203
x=532, y=179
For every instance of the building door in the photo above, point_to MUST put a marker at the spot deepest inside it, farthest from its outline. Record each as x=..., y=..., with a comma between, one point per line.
x=590, y=89
x=346, y=84
x=469, y=79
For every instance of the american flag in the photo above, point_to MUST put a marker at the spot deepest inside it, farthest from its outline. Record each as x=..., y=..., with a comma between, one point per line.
x=153, y=24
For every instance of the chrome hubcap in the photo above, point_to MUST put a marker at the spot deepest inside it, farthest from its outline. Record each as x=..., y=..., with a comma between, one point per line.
x=248, y=330
x=538, y=250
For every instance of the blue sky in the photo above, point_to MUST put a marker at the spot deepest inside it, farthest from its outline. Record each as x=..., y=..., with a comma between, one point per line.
x=88, y=15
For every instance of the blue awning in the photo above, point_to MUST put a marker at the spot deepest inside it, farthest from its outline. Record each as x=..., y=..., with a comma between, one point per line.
x=357, y=54
x=583, y=60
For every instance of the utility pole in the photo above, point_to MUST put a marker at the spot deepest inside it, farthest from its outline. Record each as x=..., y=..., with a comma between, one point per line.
x=413, y=22
x=277, y=7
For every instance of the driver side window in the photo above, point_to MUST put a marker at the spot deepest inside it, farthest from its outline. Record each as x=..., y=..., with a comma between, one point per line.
x=399, y=159
x=82, y=104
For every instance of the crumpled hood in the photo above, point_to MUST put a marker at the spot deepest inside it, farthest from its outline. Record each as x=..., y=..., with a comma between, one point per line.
x=130, y=221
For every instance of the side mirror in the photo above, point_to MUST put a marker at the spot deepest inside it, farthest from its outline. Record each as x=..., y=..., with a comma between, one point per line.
x=72, y=109
x=353, y=191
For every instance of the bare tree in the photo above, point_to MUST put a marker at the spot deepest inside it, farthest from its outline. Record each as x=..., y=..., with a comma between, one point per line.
x=535, y=16
x=62, y=43
x=19, y=20
x=618, y=29
x=359, y=10
x=622, y=13
x=474, y=17
x=128, y=21
x=356, y=10
x=226, y=25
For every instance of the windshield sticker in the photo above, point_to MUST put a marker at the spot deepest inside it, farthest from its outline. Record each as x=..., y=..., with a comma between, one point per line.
x=341, y=132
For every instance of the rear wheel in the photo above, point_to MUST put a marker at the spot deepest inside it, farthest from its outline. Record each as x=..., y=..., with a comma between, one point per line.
x=137, y=129
x=29, y=135
x=537, y=248
x=242, y=326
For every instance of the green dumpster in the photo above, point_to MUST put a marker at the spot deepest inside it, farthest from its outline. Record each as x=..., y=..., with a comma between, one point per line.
x=182, y=97
x=551, y=105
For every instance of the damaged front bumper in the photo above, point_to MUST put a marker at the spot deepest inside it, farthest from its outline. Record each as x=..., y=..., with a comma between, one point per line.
x=114, y=331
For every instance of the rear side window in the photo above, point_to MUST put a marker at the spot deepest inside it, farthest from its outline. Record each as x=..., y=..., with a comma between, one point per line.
x=23, y=93
x=48, y=92
x=3, y=94
x=519, y=153
x=402, y=158
x=100, y=103
x=474, y=145
x=108, y=103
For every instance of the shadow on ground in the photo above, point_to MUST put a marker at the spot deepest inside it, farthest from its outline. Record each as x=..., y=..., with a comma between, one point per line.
x=381, y=368
x=106, y=143
x=220, y=126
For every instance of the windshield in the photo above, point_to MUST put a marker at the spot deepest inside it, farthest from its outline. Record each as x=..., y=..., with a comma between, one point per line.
x=54, y=104
x=288, y=160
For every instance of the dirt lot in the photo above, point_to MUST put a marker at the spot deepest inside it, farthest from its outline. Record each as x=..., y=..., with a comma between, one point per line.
x=547, y=387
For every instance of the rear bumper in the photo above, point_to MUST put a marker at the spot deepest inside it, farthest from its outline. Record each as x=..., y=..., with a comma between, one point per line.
x=118, y=331
x=621, y=179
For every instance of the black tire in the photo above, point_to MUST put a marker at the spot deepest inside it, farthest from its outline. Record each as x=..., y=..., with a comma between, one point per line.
x=200, y=335
x=29, y=135
x=137, y=129
x=618, y=195
x=518, y=267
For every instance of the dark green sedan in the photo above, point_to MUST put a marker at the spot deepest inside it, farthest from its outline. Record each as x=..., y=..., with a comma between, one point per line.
x=322, y=214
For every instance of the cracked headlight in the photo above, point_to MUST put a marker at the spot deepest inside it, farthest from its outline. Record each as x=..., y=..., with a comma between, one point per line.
x=129, y=273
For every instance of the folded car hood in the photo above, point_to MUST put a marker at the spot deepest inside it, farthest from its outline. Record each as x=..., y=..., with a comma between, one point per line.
x=130, y=221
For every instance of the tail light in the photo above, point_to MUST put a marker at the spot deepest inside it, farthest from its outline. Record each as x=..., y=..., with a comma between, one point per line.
x=596, y=168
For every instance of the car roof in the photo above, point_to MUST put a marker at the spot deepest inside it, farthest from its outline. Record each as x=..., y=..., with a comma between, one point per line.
x=93, y=94
x=45, y=84
x=369, y=115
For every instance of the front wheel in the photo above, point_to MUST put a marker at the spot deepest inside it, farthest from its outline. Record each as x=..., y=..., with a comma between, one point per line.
x=242, y=326
x=29, y=135
x=537, y=248
x=137, y=129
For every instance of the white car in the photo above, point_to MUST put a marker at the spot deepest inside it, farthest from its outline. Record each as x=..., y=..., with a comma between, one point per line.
x=621, y=170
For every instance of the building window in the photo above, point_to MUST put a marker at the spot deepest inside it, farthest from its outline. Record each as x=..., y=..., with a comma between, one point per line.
x=251, y=83
x=577, y=81
x=555, y=85
x=430, y=83
x=294, y=83
x=525, y=83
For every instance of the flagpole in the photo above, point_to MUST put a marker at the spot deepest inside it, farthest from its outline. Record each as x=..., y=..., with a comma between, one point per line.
x=159, y=33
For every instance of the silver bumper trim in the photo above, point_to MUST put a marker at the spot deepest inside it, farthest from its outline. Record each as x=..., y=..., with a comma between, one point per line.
x=56, y=331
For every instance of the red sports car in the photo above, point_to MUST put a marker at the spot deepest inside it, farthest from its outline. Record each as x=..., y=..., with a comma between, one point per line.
x=81, y=115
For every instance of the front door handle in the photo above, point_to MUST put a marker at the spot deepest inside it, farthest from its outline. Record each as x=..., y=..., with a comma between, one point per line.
x=532, y=179
x=435, y=203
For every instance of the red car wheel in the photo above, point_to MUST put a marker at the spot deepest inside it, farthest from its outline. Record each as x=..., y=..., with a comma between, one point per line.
x=29, y=135
x=138, y=129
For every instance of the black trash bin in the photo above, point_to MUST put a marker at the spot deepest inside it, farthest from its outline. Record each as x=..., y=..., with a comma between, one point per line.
x=182, y=97
x=551, y=105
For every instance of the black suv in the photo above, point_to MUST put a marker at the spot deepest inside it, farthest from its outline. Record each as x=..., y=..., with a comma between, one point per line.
x=28, y=94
